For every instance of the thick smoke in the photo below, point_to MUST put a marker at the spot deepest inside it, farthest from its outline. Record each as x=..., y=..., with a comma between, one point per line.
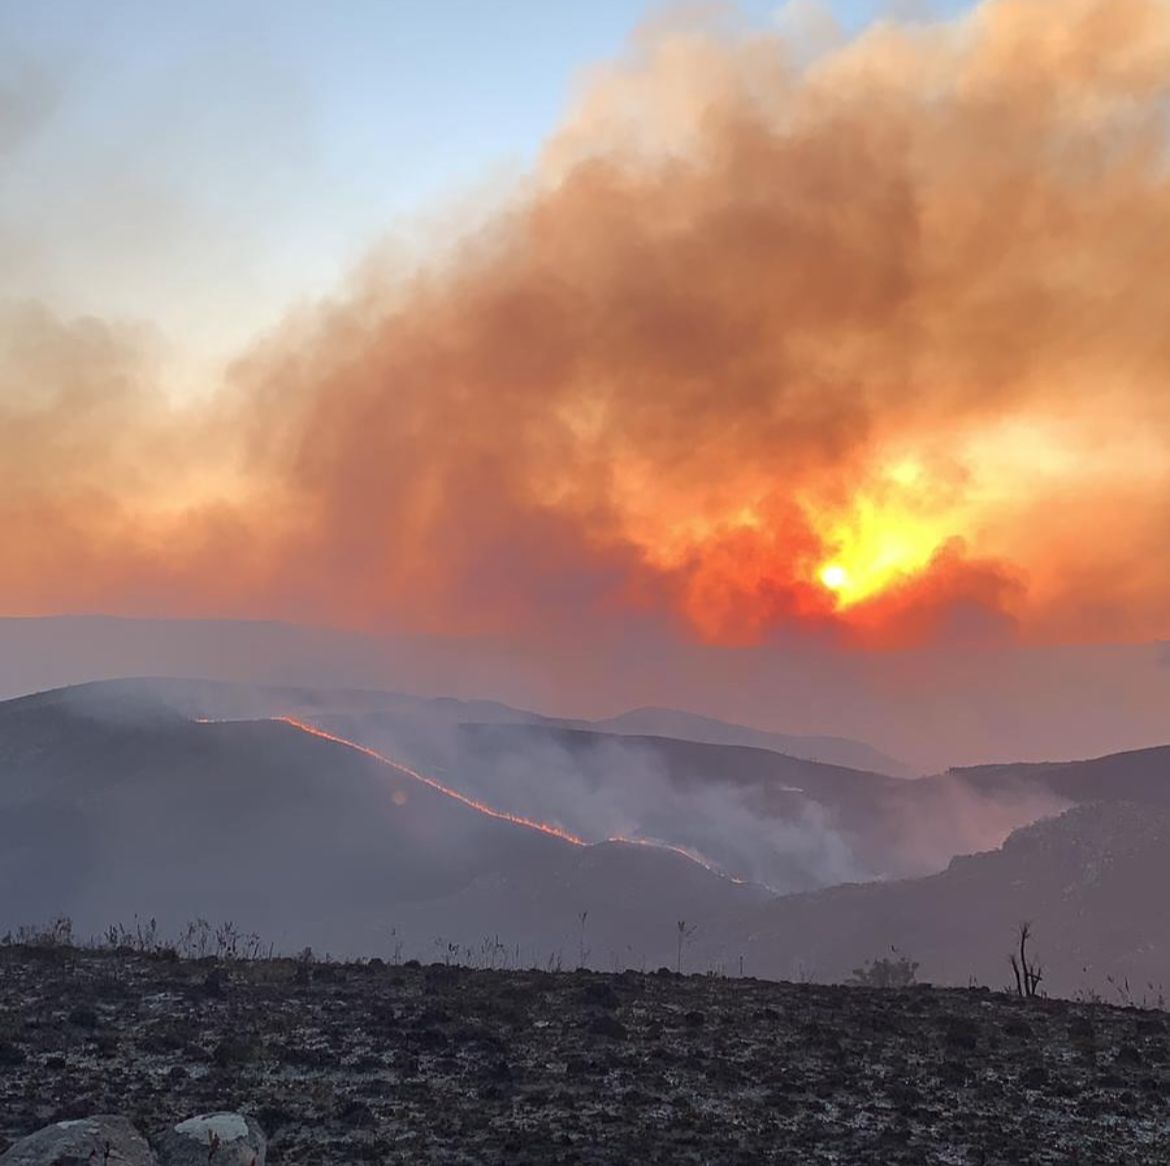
x=895, y=306
x=623, y=790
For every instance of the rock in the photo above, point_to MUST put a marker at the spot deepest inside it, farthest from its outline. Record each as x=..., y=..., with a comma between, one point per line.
x=235, y=1139
x=90, y=1140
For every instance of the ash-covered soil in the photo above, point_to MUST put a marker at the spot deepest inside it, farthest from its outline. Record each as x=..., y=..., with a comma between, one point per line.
x=379, y=1063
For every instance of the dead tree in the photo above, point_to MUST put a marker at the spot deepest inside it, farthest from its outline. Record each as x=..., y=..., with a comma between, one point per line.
x=685, y=931
x=1028, y=973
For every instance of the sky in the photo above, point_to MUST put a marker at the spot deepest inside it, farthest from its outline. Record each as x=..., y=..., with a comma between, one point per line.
x=542, y=321
x=205, y=166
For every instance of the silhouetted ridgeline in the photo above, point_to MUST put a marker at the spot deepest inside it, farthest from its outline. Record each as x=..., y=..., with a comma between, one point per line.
x=120, y=800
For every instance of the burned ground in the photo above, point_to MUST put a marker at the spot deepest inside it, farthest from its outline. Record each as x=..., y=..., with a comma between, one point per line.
x=371, y=1062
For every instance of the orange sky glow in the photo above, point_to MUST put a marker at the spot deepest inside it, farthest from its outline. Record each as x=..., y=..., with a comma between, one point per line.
x=871, y=344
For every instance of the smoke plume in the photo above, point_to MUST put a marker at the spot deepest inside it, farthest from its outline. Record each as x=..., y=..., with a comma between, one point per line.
x=864, y=337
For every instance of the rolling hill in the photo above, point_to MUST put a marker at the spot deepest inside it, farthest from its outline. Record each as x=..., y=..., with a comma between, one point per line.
x=1090, y=881
x=112, y=807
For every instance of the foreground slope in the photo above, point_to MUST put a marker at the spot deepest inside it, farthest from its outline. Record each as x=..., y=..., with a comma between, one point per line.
x=358, y=1063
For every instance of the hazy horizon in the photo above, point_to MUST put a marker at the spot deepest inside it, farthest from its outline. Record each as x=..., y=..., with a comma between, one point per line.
x=1002, y=705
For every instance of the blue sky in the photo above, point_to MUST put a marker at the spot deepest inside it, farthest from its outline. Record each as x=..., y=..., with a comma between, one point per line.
x=203, y=165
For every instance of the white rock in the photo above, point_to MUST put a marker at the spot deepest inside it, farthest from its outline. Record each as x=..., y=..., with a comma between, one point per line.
x=102, y=1138
x=228, y=1127
x=237, y=1139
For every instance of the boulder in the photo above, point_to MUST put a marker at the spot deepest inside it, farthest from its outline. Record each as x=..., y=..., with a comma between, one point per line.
x=90, y=1141
x=223, y=1139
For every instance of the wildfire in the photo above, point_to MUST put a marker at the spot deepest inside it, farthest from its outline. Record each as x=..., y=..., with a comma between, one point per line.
x=684, y=851
x=447, y=791
x=473, y=803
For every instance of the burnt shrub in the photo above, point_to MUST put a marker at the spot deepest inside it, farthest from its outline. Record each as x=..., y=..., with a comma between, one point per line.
x=608, y=1027
x=599, y=995
x=233, y=1053
x=959, y=1032
x=83, y=1016
x=11, y=1055
x=898, y=971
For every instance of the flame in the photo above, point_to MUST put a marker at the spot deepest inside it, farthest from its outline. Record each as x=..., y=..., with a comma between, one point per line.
x=684, y=851
x=473, y=803
x=446, y=791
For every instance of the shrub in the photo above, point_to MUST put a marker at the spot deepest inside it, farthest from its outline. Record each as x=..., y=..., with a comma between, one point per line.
x=896, y=971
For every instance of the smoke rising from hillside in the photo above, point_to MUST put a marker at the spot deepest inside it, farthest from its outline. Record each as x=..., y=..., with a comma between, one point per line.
x=867, y=340
x=721, y=806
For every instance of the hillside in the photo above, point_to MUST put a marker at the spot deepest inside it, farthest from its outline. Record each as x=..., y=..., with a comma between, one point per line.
x=683, y=726
x=788, y=823
x=370, y=1062
x=930, y=709
x=1091, y=881
x=1137, y=775
x=111, y=808
x=114, y=803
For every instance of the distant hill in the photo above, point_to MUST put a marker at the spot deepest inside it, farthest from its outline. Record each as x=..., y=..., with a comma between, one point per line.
x=931, y=708
x=1091, y=881
x=1139, y=775
x=112, y=807
x=659, y=722
x=115, y=801
x=210, y=697
x=787, y=822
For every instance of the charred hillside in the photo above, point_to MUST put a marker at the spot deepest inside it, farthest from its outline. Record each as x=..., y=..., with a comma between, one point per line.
x=370, y=1062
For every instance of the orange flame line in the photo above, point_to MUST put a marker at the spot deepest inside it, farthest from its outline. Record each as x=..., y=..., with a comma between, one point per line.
x=690, y=854
x=502, y=815
x=482, y=807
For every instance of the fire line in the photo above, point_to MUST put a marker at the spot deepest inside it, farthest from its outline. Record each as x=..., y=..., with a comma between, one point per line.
x=473, y=803
x=463, y=799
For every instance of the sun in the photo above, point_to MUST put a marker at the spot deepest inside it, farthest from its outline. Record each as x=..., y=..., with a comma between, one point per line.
x=834, y=576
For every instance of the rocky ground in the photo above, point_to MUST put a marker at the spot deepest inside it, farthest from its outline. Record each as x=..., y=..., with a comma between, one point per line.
x=378, y=1063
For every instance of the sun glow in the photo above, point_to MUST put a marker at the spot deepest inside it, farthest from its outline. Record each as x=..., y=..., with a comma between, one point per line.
x=834, y=577
x=888, y=532
x=875, y=547
x=827, y=548
x=874, y=550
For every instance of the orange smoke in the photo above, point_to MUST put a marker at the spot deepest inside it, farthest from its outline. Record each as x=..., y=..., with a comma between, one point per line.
x=873, y=343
